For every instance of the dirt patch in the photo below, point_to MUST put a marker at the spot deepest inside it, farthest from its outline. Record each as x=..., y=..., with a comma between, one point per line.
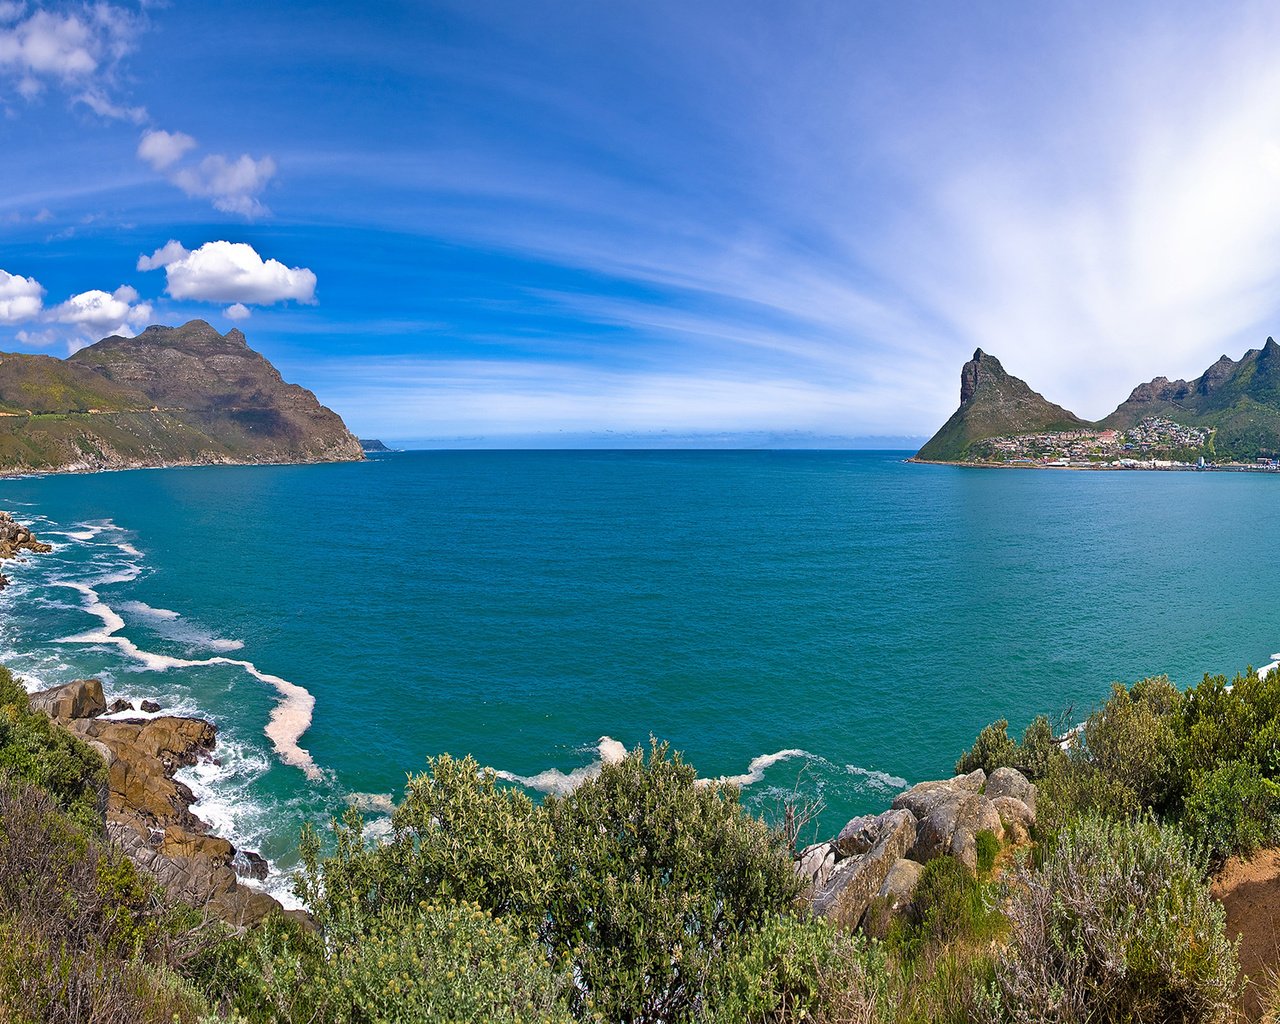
x=1250, y=892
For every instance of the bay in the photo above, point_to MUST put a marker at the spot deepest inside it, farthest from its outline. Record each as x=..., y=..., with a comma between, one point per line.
x=861, y=616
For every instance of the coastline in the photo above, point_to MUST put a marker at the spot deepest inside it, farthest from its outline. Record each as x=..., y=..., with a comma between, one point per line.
x=1099, y=468
x=158, y=761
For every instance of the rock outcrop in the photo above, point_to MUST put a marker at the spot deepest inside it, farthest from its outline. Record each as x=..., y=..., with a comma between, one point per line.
x=951, y=814
x=876, y=860
x=14, y=539
x=148, y=811
x=81, y=699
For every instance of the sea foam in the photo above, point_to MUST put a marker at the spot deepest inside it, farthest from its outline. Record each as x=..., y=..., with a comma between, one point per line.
x=292, y=714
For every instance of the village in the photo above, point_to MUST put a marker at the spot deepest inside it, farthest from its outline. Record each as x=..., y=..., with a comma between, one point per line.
x=1154, y=443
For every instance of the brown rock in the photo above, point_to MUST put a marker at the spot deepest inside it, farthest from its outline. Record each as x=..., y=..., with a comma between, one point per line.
x=81, y=699
x=1017, y=818
x=149, y=706
x=856, y=880
x=149, y=815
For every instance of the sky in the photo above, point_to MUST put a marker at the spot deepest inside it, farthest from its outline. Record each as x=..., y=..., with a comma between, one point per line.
x=553, y=222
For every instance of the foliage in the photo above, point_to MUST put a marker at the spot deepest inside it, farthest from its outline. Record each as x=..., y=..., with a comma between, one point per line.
x=791, y=970
x=431, y=964
x=1232, y=810
x=947, y=902
x=988, y=847
x=1130, y=739
x=639, y=879
x=995, y=748
x=35, y=751
x=82, y=936
x=1117, y=926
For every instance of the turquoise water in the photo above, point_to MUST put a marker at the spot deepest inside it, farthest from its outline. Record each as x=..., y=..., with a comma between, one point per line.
x=862, y=616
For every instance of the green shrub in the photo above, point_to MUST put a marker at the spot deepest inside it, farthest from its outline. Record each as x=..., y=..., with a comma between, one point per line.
x=1131, y=739
x=35, y=751
x=994, y=748
x=1117, y=926
x=947, y=902
x=641, y=878
x=1038, y=750
x=988, y=849
x=1232, y=810
x=791, y=971
x=991, y=750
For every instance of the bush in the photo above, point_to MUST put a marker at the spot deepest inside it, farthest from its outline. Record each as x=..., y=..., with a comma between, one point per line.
x=1232, y=810
x=947, y=902
x=35, y=751
x=790, y=971
x=83, y=937
x=640, y=879
x=1131, y=739
x=994, y=748
x=991, y=750
x=1118, y=926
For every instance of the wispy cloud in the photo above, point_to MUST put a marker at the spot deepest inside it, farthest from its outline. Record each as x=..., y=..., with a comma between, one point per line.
x=1097, y=205
x=77, y=48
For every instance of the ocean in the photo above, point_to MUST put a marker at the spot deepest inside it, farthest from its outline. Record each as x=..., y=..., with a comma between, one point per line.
x=832, y=625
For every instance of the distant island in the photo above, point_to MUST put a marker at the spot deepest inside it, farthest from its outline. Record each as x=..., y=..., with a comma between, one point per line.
x=372, y=446
x=172, y=396
x=1228, y=417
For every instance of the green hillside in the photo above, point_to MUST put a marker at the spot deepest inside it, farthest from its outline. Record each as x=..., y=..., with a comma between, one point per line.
x=171, y=396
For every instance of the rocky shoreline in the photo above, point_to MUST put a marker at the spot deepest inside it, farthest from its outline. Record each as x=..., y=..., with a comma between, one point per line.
x=14, y=539
x=147, y=811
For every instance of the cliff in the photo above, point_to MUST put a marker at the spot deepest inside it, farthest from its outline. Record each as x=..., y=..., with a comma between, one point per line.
x=171, y=396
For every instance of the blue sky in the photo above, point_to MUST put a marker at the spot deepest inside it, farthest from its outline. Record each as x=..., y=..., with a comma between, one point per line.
x=544, y=222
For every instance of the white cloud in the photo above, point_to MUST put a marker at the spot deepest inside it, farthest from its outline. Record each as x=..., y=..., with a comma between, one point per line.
x=38, y=339
x=163, y=149
x=98, y=314
x=233, y=185
x=78, y=50
x=239, y=311
x=21, y=298
x=229, y=272
x=170, y=252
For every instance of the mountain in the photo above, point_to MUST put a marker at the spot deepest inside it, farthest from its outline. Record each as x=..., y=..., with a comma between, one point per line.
x=994, y=403
x=371, y=446
x=171, y=396
x=1239, y=400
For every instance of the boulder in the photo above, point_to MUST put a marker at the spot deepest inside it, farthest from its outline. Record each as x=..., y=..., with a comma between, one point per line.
x=1016, y=817
x=862, y=833
x=855, y=881
x=81, y=699
x=149, y=706
x=815, y=864
x=118, y=705
x=248, y=864
x=900, y=884
x=1011, y=782
x=950, y=814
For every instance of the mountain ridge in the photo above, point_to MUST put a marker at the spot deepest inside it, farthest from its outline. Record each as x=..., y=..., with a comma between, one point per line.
x=1236, y=401
x=170, y=396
